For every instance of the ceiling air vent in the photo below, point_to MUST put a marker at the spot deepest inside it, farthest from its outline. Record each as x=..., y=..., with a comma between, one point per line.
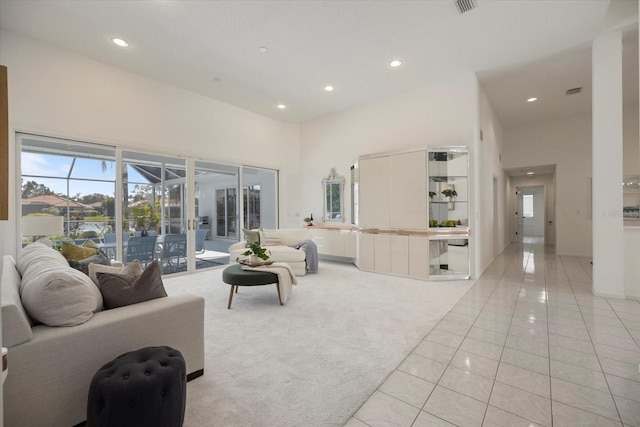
x=574, y=91
x=465, y=5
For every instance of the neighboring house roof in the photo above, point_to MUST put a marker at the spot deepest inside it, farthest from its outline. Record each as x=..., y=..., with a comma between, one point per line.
x=53, y=200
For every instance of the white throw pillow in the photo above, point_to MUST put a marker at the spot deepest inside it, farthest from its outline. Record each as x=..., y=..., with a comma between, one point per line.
x=270, y=237
x=36, y=251
x=52, y=292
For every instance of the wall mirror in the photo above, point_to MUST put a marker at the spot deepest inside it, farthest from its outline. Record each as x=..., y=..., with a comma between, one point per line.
x=333, y=187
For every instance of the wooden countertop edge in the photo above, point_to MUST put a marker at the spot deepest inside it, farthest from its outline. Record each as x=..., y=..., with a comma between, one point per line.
x=333, y=227
x=432, y=232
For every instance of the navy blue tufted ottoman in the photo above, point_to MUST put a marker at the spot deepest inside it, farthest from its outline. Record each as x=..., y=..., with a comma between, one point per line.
x=147, y=387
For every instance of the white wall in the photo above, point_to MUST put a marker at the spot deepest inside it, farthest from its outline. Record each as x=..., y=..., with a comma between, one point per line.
x=58, y=93
x=441, y=113
x=449, y=111
x=490, y=167
x=566, y=143
x=631, y=266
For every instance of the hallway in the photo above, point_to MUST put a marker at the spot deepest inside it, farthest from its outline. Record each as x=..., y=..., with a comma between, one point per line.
x=527, y=345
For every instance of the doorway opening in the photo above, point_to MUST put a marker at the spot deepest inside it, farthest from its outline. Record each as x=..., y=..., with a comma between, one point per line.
x=530, y=213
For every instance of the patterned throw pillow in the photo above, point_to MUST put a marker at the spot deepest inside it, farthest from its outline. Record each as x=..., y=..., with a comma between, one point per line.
x=83, y=264
x=74, y=252
x=120, y=289
x=90, y=244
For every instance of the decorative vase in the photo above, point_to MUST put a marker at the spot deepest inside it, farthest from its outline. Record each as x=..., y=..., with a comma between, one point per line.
x=254, y=260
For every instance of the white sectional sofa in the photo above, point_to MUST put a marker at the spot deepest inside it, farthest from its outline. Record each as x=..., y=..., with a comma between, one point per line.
x=50, y=367
x=282, y=250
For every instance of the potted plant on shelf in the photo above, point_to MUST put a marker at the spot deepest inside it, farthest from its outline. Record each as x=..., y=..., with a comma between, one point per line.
x=449, y=197
x=431, y=194
x=256, y=252
x=449, y=193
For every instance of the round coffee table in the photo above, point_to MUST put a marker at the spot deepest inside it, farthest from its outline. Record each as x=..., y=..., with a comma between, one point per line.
x=236, y=276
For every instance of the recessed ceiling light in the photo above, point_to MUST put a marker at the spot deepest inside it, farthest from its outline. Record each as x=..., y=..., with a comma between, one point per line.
x=262, y=49
x=120, y=42
x=282, y=106
x=529, y=173
x=395, y=63
x=532, y=99
x=329, y=88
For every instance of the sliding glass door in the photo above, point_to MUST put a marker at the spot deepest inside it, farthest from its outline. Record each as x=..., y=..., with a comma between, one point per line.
x=183, y=213
x=226, y=212
x=260, y=198
x=154, y=211
x=216, y=212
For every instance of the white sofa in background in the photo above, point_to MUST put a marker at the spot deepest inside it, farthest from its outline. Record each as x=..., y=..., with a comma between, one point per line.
x=51, y=367
x=282, y=251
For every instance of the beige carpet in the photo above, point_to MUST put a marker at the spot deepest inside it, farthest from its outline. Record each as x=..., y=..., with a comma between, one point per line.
x=313, y=361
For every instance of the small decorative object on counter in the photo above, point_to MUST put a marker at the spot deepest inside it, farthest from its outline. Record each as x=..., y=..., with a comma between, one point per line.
x=309, y=220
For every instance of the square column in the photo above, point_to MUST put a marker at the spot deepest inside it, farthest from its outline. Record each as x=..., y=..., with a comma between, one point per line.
x=608, y=237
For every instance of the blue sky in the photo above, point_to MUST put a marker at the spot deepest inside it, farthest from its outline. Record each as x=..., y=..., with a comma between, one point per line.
x=57, y=167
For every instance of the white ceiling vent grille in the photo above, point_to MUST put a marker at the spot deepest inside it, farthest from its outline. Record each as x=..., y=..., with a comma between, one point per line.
x=574, y=91
x=465, y=5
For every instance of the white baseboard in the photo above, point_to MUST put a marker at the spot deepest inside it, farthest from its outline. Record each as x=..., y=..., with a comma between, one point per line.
x=607, y=295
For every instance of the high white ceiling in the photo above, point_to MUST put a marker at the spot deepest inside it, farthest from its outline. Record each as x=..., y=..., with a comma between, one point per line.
x=211, y=47
x=548, y=79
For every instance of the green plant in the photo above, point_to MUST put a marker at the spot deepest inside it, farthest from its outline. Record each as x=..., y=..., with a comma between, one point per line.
x=257, y=250
x=448, y=223
x=432, y=193
x=307, y=220
x=145, y=215
x=433, y=223
x=449, y=193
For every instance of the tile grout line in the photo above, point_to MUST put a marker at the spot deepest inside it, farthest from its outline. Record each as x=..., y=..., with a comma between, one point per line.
x=497, y=280
x=548, y=334
x=597, y=357
x=503, y=347
x=476, y=294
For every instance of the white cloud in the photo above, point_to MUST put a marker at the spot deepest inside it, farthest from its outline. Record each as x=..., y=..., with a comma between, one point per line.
x=38, y=164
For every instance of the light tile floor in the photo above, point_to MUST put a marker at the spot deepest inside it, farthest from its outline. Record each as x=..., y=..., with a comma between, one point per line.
x=528, y=345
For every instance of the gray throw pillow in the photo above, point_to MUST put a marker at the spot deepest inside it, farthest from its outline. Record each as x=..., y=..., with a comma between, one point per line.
x=120, y=289
x=252, y=236
x=83, y=265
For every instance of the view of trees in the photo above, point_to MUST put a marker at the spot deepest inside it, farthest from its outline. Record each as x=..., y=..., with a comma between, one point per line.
x=33, y=189
x=142, y=206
